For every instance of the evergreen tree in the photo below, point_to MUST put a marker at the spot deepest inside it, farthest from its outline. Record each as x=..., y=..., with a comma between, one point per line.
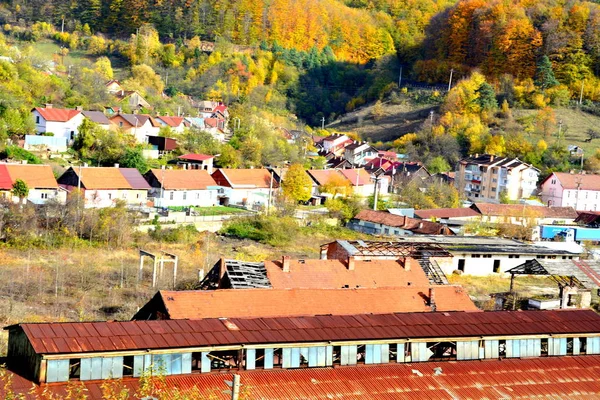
x=487, y=97
x=544, y=75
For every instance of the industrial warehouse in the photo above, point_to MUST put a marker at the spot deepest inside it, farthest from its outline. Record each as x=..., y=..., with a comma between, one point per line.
x=366, y=320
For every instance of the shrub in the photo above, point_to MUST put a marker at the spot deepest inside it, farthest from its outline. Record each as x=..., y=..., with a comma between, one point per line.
x=18, y=153
x=273, y=230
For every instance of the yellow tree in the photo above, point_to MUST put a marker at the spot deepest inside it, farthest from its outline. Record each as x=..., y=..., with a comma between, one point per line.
x=297, y=184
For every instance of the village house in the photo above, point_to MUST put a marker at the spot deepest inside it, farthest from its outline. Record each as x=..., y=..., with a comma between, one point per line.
x=359, y=153
x=196, y=161
x=363, y=184
x=159, y=146
x=580, y=191
x=250, y=188
x=177, y=124
x=453, y=218
x=139, y=125
x=104, y=186
x=132, y=99
x=421, y=355
x=385, y=223
x=59, y=122
x=338, y=184
x=113, y=86
x=335, y=144
x=182, y=188
x=39, y=180
x=487, y=177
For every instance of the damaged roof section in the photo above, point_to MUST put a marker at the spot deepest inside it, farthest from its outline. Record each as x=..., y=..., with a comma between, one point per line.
x=236, y=274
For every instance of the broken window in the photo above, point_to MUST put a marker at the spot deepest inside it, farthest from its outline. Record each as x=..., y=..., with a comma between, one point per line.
x=443, y=350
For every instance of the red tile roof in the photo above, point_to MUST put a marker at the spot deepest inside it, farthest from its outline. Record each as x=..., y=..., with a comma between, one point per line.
x=102, y=178
x=263, y=303
x=76, y=337
x=57, y=114
x=35, y=176
x=184, y=179
x=571, y=181
x=567, y=377
x=407, y=223
x=244, y=178
x=173, y=122
x=357, y=176
x=323, y=176
x=334, y=274
x=524, y=210
x=195, y=157
x=446, y=213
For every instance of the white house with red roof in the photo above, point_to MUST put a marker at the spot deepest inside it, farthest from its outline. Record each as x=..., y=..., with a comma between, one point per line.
x=580, y=191
x=60, y=122
x=196, y=161
x=177, y=124
x=336, y=143
x=39, y=180
x=182, y=188
x=251, y=188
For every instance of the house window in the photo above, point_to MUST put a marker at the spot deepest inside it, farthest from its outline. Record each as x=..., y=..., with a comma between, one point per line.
x=185, y=195
x=37, y=120
x=553, y=181
x=197, y=196
x=120, y=124
x=110, y=196
x=171, y=196
x=44, y=195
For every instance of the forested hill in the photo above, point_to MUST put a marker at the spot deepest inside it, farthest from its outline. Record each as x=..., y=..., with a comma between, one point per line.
x=353, y=34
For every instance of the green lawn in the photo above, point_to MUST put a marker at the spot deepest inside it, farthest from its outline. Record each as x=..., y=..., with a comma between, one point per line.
x=575, y=125
x=48, y=49
x=216, y=210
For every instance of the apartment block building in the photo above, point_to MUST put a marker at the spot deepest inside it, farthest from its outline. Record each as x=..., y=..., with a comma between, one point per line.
x=485, y=177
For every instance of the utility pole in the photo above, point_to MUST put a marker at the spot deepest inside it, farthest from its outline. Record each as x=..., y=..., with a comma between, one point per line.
x=167, y=79
x=62, y=26
x=323, y=123
x=270, y=193
x=400, y=78
x=560, y=129
x=581, y=167
x=581, y=94
x=375, y=192
x=450, y=82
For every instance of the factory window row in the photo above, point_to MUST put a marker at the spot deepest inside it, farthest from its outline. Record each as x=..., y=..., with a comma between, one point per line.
x=97, y=368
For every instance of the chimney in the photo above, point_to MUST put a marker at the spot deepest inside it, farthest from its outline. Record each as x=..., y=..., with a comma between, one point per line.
x=491, y=157
x=79, y=108
x=285, y=262
x=48, y=105
x=351, y=262
x=85, y=165
x=222, y=268
x=122, y=92
x=116, y=165
x=432, y=299
x=476, y=155
x=23, y=161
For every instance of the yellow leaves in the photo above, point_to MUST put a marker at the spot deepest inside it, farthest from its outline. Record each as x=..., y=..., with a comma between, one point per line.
x=541, y=146
x=495, y=145
x=404, y=140
x=539, y=101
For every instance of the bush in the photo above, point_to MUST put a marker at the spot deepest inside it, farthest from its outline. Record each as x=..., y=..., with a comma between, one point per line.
x=180, y=234
x=18, y=153
x=273, y=230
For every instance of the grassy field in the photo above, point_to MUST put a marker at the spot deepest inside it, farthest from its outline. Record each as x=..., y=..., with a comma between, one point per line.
x=575, y=125
x=48, y=49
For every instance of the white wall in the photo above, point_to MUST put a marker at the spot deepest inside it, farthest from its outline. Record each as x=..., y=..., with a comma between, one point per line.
x=253, y=196
x=582, y=200
x=59, y=129
x=184, y=198
x=107, y=198
x=482, y=266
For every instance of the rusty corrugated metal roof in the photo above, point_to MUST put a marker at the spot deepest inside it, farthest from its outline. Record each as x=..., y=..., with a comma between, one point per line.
x=59, y=338
x=549, y=378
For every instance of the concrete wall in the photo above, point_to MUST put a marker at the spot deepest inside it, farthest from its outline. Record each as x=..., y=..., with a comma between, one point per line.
x=184, y=198
x=107, y=198
x=484, y=264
